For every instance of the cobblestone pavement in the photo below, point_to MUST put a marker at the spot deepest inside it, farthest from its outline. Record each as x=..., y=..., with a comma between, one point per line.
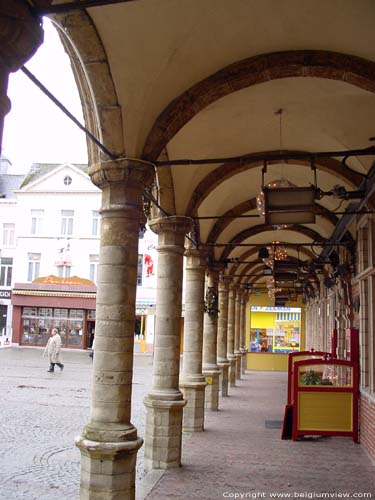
x=42, y=413
x=241, y=453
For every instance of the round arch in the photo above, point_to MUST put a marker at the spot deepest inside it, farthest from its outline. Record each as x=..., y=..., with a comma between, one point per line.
x=252, y=71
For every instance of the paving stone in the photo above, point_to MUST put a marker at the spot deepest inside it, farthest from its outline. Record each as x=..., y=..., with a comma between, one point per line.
x=42, y=413
x=238, y=455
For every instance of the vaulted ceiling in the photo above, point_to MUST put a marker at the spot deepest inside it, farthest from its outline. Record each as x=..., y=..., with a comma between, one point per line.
x=197, y=80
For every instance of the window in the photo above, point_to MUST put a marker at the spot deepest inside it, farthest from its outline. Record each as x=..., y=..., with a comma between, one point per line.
x=63, y=271
x=94, y=263
x=140, y=269
x=8, y=235
x=6, y=265
x=67, y=180
x=37, y=217
x=95, y=230
x=34, y=266
x=67, y=222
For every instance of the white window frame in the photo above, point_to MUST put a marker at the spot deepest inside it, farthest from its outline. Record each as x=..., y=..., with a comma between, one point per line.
x=37, y=218
x=94, y=266
x=8, y=234
x=33, y=268
x=95, y=227
x=67, y=222
x=6, y=269
x=64, y=271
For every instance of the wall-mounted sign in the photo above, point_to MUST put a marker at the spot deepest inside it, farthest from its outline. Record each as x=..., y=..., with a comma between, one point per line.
x=275, y=309
x=5, y=294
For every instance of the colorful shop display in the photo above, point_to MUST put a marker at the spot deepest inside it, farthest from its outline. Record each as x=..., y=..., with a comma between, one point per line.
x=275, y=329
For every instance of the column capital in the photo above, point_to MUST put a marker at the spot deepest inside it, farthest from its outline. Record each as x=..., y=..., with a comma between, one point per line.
x=196, y=258
x=177, y=224
x=133, y=172
x=21, y=34
x=224, y=282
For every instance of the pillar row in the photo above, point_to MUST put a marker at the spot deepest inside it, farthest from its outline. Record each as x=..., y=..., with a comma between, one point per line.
x=193, y=382
x=210, y=368
x=165, y=402
x=230, y=338
x=109, y=442
x=222, y=334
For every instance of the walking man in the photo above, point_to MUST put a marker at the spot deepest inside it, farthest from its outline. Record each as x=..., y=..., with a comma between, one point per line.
x=52, y=350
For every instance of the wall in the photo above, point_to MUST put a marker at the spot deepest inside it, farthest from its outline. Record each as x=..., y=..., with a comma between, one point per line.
x=367, y=425
x=267, y=361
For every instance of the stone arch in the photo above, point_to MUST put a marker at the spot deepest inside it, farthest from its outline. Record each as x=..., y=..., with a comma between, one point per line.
x=224, y=172
x=101, y=109
x=254, y=70
x=254, y=251
x=248, y=205
x=248, y=233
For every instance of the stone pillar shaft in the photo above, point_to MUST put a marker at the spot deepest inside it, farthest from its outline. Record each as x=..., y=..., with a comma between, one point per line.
x=193, y=382
x=109, y=441
x=222, y=334
x=165, y=401
x=243, y=348
x=230, y=339
x=210, y=367
x=237, y=331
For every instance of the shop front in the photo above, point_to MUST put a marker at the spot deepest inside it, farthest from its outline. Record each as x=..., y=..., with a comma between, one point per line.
x=274, y=333
x=65, y=303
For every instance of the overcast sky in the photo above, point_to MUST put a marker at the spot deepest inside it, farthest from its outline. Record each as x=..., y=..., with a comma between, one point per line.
x=36, y=131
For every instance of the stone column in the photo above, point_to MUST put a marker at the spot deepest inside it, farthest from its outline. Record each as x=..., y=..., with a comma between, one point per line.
x=21, y=34
x=237, y=332
x=210, y=367
x=164, y=404
x=230, y=338
x=243, y=347
x=109, y=442
x=222, y=334
x=193, y=382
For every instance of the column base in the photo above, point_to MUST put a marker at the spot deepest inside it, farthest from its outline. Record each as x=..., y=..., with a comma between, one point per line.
x=163, y=434
x=238, y=365
x=224, y=378
x=212, y=389
x=193, y=416
x=232, y=371
x=108, y=469
x=244, y=361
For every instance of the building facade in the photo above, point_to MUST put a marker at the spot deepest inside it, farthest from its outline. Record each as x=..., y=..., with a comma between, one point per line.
x=56, y=240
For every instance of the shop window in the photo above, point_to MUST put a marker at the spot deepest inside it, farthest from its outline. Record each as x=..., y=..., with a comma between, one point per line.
x=30, y=312
x=37, y=324
x=95, y=228
x=67, y=217
x=75, y=327
x=8, y=235
x=34, y=266
x=60, y=313
x=6, y=266
x=274, y=331
x=37, y=218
